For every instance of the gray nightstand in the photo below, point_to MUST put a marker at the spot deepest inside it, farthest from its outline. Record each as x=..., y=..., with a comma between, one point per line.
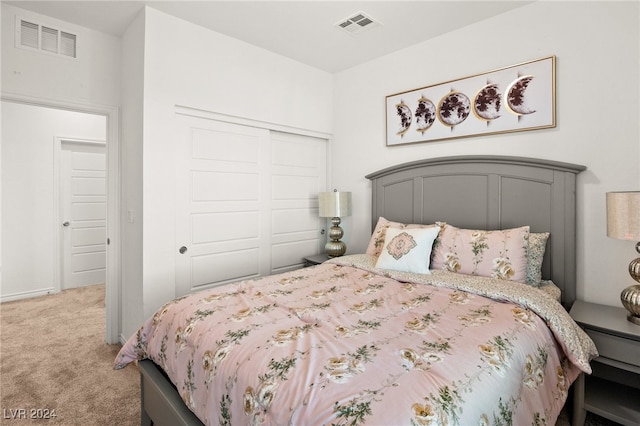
x=613, y=390
x=315, y=259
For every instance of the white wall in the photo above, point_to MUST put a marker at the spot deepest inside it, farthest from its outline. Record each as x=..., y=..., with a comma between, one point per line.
x=597, y=49
x=92, y=78
x=131, y=298
x=28, y=228
x=190, y=66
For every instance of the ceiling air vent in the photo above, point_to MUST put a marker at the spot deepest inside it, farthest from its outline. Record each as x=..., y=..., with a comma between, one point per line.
x=43, y=38
x=357, y=23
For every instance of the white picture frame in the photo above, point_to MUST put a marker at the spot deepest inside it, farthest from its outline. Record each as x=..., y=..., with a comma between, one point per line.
x=511, y=99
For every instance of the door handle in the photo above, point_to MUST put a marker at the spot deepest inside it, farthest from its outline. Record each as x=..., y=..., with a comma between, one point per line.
x=65, y=223
x=182, y=250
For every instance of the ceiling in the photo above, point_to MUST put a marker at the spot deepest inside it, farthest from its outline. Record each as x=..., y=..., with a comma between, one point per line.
x=305, y=31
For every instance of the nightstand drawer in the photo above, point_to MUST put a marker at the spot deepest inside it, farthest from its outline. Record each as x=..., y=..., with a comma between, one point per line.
x=618, y=348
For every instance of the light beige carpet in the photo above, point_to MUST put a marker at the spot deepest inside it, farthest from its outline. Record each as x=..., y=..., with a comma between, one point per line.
x=54, y=360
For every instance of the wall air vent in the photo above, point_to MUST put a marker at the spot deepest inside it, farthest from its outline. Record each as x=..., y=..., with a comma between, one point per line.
x=33, y=36
x=357, y=23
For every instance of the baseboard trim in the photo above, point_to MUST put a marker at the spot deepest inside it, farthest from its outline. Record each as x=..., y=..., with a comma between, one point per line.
x=26, y=294
x=123, y=339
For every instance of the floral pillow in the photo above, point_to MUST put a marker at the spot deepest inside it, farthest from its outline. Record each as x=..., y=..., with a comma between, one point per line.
x=535, y=254
x=377, y=238
x=498, y=254
x=407, y=249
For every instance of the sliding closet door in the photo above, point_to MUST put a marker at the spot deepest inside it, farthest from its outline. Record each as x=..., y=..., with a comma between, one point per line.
x=246, y=201
x=298, y=174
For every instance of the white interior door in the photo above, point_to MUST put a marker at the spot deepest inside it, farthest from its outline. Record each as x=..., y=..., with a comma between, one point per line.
x=247, y=202
x=83, y=213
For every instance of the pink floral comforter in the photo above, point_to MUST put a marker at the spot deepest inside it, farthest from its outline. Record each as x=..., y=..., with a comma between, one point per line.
x=343, y=343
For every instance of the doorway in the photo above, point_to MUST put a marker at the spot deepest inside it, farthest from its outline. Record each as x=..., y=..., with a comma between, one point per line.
x=26, y=162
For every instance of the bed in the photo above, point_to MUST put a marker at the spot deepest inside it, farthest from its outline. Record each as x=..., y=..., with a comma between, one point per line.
x=378, y=338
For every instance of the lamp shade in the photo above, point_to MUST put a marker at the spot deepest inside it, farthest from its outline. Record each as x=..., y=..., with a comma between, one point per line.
x=334, y=204
x=623, y=215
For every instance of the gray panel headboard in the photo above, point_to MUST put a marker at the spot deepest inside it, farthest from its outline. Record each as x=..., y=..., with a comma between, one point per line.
x=489, y=192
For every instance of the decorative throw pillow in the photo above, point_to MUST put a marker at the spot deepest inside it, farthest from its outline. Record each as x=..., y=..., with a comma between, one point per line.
x=535, y=255
x=407, y=249
x=377, y=238
x=499, y=254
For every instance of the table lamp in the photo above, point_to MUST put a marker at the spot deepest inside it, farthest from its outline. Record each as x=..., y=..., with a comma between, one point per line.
x=623, y=223
x=335, y=205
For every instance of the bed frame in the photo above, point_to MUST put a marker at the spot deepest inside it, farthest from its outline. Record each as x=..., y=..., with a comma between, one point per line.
x=489, y=192
x=479, y=192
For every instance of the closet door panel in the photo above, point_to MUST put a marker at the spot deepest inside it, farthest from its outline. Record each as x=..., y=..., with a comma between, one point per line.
x=224, y=226
x=298, y=174
x=247, y=201
x=223, y=266
x=219, y=202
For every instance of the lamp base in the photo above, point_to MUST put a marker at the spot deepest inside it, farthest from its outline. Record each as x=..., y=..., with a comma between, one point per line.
x=630, y=298
x=335, y=247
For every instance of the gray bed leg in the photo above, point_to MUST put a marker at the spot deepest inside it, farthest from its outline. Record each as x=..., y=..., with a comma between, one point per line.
x=579, y=412
x=145, y=420
x=160, y=400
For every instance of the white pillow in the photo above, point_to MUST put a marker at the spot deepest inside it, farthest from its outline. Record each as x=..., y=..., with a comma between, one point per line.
x=407, y=250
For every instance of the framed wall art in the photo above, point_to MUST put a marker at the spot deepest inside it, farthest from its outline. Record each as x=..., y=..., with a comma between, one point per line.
x=516, y=98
